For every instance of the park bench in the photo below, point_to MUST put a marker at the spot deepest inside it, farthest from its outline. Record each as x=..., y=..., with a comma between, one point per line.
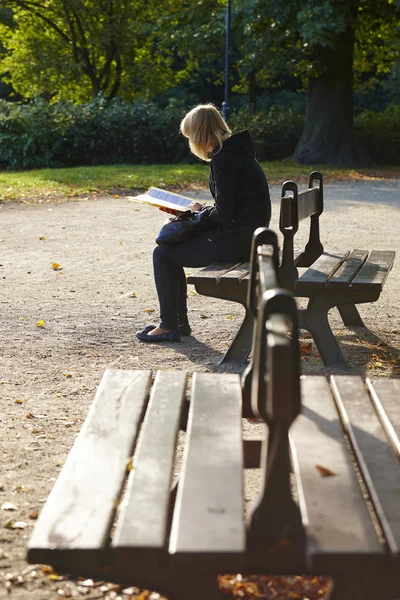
x=333, y=279
x=124, y=510
x=339, y=279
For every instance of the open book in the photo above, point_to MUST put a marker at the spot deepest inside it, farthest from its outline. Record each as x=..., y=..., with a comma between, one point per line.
x=163, y=199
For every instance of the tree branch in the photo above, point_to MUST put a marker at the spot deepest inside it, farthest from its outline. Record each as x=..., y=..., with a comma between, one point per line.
x=33, y=8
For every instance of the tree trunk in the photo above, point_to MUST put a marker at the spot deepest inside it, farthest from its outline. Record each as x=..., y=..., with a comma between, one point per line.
x=328, y=135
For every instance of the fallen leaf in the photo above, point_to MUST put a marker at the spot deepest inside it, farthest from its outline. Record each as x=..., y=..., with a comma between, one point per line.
x=324, y=472
x=378, y=364
x=229, y=317
x=45, y=569
x=18, y=401
x=55, y=266
x=129, y=464
x=149, y=310
x=42, y=237
x=306, y=348
x=133, y=295
x=55, y=577
x=203, y=317
x=40, y=323
x=67, y=375
x=116, y=195
x=34, y=515
x=121, y=242
x=193, y=293
x=9, y=506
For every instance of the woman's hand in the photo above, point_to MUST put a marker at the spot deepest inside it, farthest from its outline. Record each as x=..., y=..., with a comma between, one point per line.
x=196, y=206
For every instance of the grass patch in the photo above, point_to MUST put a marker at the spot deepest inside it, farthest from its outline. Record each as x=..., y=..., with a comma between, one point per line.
x=51, y=184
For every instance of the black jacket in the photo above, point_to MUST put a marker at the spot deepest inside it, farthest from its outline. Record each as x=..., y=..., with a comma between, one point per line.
x=238, y=186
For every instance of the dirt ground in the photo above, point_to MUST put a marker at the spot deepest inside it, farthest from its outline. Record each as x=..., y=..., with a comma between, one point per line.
x=61, y=326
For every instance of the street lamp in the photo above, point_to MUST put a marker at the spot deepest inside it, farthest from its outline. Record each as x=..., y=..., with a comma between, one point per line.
x=225, y=109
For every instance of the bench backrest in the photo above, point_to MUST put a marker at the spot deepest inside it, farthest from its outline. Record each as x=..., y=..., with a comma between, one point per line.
x=296, y=207
x=275, y=314
x=272, y=391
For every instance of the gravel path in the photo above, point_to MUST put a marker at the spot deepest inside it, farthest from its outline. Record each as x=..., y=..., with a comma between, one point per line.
x=61, y=327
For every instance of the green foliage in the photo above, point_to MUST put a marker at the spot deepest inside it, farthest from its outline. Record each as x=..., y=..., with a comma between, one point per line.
x=380, y=134
x=64, y=134
x=39, y=135
x=275, y=132
x=79, y=49
x=288, y=36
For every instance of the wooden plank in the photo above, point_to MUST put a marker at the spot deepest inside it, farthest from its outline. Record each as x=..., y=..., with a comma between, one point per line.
x=375, y=270
x=239, y=272
x=213, y=272
x=324, y=267
x=385, y=395
x=78, y=513
x=376, y=461
x=340, y=533
x=348, y=270
x=142, y=519
x=308, y=203
x=208, y=516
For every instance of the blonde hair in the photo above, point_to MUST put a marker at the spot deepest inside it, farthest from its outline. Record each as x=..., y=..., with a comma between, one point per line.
x=205, y=128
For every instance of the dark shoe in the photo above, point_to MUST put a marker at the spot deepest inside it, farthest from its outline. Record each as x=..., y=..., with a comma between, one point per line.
x=168, y=336
x=184, y=329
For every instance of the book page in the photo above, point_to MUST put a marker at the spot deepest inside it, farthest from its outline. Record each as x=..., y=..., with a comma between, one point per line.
x=163, y=199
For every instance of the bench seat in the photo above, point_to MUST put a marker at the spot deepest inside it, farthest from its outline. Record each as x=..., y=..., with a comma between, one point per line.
x=116, y=511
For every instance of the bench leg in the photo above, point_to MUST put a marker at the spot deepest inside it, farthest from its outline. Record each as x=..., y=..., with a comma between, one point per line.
x=240, y=348
x=362, y=587
x=315, y=320
x=350, y=315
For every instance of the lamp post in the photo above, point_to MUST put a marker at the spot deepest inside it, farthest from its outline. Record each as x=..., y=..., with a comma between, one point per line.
x=226, y=109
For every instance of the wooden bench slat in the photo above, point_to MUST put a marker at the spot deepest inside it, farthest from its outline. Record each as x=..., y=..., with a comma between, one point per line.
x=308, y=203
x=142, y=520
x=348, y=270
x=239, y=272
x=386, y=398
x=209, y=513
x=323, y=268
x=81, y=506
x=212, y=272
x=377, y=463
x=339, y=522
x=375, y=270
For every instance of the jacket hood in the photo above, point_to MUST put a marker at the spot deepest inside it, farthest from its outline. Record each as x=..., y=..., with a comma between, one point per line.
x=239, y=143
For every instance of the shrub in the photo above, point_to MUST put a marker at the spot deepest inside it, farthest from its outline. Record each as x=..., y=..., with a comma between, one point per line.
x=62, y=134
x=275, y=132
x=380, y=134
x=40, y=135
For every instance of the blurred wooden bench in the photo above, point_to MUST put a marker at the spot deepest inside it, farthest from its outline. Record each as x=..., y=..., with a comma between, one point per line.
x=341, y=279
x=138, y=505
x=333, y=278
